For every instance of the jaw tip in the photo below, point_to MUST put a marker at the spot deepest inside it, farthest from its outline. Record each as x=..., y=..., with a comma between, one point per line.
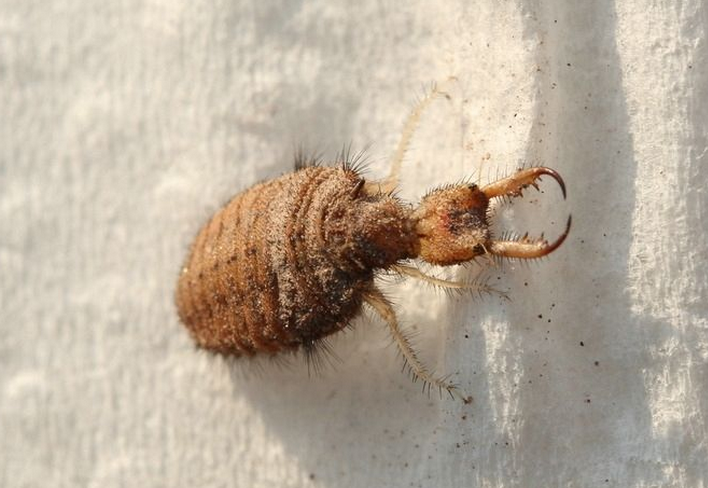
x=556, y=176
x=557, y=243
x=560, y=240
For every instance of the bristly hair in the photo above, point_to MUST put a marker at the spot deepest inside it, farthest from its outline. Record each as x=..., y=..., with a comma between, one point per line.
x=317, y=353
x=353, y=161
x=426, y=386
x=465, y=181
x=305, y=159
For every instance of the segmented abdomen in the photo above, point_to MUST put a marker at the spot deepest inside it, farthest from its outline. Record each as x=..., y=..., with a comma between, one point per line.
x=260, y=276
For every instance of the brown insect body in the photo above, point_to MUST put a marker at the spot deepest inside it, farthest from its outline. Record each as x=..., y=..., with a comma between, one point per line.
x=291, y=261
x=286, y=262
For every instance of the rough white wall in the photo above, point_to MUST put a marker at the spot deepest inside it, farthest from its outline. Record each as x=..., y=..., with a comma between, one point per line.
x=125, y=124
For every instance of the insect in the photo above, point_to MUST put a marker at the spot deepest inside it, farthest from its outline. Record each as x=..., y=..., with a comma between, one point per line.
x=290, y=261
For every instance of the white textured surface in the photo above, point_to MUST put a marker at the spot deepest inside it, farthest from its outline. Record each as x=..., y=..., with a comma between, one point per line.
x=125, y=124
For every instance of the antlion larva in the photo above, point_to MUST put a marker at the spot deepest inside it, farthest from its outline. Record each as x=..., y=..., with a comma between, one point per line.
x=292, y=260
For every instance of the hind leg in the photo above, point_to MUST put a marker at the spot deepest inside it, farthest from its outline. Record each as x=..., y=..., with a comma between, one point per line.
x=417, y=369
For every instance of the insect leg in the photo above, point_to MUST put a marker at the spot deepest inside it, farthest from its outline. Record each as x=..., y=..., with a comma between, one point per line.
x=390, y=183
x=478, y=287
x=419, y=371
